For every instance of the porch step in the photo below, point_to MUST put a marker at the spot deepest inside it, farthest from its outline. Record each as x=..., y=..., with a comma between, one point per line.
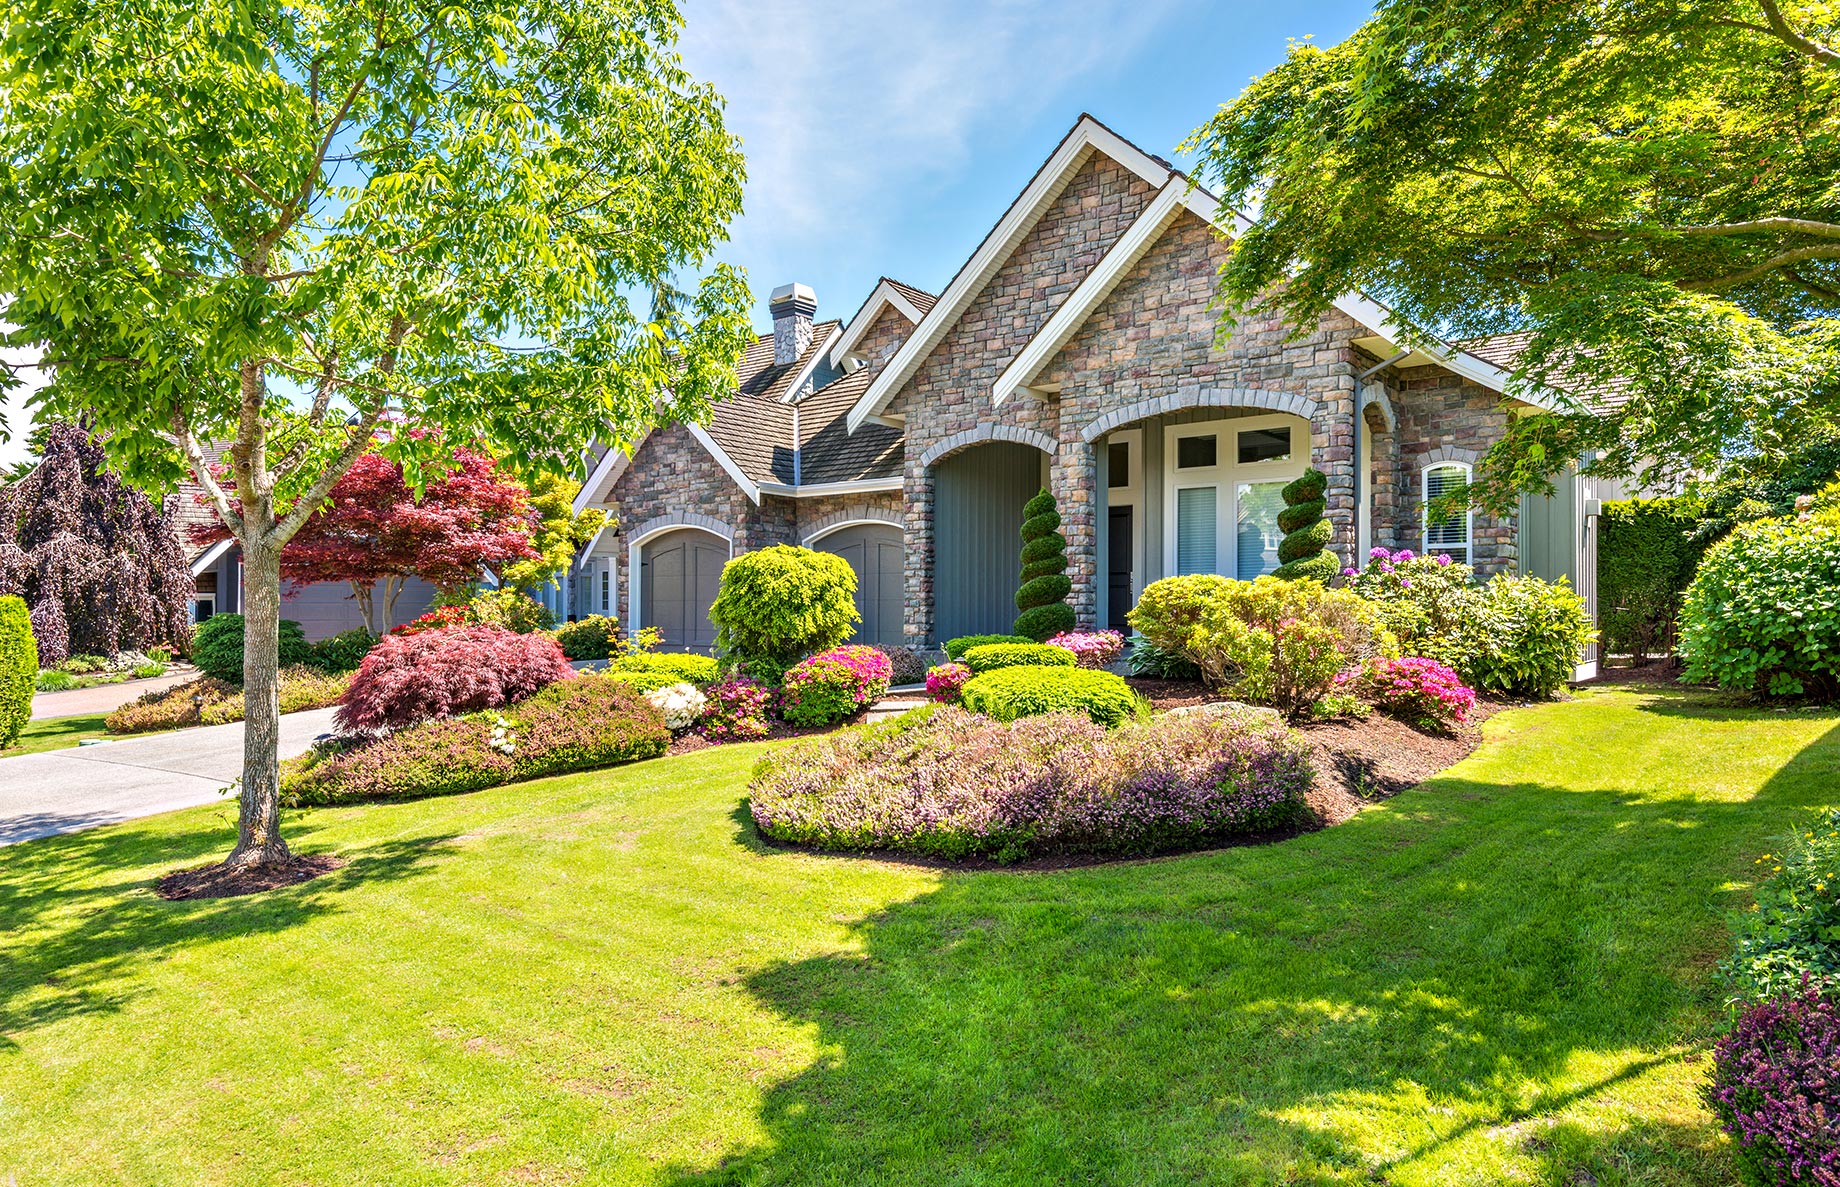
x=892, y=706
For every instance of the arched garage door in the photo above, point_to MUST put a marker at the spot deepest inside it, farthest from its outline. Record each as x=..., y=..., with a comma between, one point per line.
x=678, y=575
x=875, y=551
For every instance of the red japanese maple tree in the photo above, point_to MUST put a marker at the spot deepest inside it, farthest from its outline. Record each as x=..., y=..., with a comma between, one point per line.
x=373, y=533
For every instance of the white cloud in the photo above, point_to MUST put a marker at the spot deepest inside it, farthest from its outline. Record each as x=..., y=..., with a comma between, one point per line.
x=13, y=410
x=849, y=110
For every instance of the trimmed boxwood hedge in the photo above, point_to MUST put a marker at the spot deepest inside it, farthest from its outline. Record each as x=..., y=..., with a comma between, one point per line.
x=681, y=667
x=956, y=648
x=992, y=656
x=18, y=667
x=1009, y=693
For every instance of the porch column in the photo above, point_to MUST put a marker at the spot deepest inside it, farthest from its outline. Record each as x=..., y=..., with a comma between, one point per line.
x=1332, y=452
x=1075, y=483
x=917, y=570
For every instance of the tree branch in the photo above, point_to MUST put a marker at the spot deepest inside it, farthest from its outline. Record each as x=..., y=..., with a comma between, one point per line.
x=1804, y=226
x=1781, y=27
x=1774, y=263
x=181, y=436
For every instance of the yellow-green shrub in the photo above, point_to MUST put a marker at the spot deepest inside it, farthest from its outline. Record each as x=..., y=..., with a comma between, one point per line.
x=1282, y=643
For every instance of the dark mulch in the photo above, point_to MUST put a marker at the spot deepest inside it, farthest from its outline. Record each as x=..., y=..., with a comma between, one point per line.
x=219, y=881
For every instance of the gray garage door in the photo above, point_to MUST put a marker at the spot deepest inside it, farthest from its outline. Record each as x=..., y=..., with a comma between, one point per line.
x=874, y=550
x=678, y=575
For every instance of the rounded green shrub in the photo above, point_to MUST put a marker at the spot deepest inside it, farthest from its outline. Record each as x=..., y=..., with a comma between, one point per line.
x=18, y=668
x=344, y=651
x=1761, y=616
x=645, y=681
x=956, y=648
x=1168, y=611
x=1009, y=693
x=1304, y=550
x=1647, y=551
x=594, y=637
x=1042, y=595
x=1525, y=638
x=784, y=603
x=217, y=646
x=991, y=656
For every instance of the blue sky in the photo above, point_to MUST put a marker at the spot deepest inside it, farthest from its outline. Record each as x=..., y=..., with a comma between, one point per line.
x=886, y=136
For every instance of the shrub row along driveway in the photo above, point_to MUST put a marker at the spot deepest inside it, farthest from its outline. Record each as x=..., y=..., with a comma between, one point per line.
x=62, y=791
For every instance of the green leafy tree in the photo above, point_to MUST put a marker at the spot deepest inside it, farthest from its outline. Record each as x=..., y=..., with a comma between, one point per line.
x=560, y=533
x=1042, y=595
x=1646, y=187
x=275, y=227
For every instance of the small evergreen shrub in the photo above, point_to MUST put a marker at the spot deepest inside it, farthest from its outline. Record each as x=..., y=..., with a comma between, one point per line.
x=1526, y=638
x=1304, y=550
x=906, y=663
x=1091, y=649
x=1761, y=616
x=594, y=637
x=1042, y=595
x=737, y=710
x=956, y=648
x=217, y=646
x=1422, y=691
x=344, y=651
x=1168, y=611
x=691, y=669
x=783, y=603
x=1009, y=693
x=1012, y=655
x=409, y=679
x=1284, y=643
x=833, y=685
x=18, y=668
x=1647, y=551
x=1793, y=934
x=948, y=783
x=946, y=683
x=645, y=681
x=1776, y=1089
x=512, y=609
x=579, y=724
x=210, y=701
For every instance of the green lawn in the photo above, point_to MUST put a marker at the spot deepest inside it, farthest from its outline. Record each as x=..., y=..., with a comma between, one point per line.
x=55, y=733
x=1502, y=976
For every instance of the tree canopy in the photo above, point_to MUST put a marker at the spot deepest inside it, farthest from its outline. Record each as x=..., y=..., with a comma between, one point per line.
x=1645, y=185
x=559, y=534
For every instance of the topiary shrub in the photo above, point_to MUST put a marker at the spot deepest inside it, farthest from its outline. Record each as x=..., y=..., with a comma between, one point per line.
x=1526, y=637
x=691, y=669
x=344, y=651
x=783, y=603
x=991, y=656
x=1168, y=611
x=956, y=648
x=1304, y=550
x=18, y=668
x=1284, y=643
x=1775, y=1089
x=217, y=646
x=833, y=685
x=594, y=637
x=1761, y=616
x=409, y=679
x=948, y=783
x=1647, y=551
x=1009, y=693
x=1042, y=595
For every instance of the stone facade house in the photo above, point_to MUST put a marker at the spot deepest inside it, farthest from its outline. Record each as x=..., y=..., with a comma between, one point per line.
x=1078, y=349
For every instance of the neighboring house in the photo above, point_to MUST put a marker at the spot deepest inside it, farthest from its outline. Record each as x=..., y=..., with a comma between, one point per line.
x=1078, y=349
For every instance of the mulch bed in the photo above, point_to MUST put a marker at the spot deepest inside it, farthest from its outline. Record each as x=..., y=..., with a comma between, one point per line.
x=218, y=881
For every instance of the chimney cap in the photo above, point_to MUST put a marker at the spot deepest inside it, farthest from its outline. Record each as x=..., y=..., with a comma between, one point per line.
x=793, y=294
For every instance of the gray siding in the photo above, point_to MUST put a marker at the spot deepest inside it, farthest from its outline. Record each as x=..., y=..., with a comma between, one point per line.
x=977, y=538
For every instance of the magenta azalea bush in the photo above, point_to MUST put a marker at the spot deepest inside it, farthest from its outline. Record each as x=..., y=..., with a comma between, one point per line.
x=1417, y=689
x=949, y=783
x=834, y=684
x=1776, y=1090
x=946, y=682
x=736, y=710
x=1091, y=649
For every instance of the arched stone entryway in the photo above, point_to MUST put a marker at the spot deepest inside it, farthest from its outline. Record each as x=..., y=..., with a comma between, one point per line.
x=978, y=493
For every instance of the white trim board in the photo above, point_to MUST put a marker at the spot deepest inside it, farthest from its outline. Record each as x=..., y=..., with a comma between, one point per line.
x=210, y=555
x=885, y=296
x=811, y=364
x=820, y=489
x=822, y=532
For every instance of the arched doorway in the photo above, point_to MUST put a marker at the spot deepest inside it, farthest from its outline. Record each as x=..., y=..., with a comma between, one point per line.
x=876, y=552
x=679, y=572
x=978, y=496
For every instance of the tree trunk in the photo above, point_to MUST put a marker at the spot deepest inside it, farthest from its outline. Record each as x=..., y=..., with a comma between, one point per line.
x=258, y=841
x=361, y=590
x=391, y=587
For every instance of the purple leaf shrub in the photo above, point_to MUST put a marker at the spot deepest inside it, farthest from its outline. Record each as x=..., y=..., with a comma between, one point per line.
x=950, y=783
x=445, y=672
x=1776, y=1089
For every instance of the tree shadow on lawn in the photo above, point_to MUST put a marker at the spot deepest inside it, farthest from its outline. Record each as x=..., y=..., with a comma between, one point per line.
x=1697, y=703
x=1419, y=991
x=81, y=920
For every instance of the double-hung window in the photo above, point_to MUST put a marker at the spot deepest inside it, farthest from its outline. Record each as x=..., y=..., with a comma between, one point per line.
x=1447, y=534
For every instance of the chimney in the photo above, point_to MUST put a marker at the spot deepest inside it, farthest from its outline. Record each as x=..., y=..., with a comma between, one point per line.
x=792, y=306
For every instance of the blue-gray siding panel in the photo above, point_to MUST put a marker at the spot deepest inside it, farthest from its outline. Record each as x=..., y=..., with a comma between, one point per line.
x=977, y=521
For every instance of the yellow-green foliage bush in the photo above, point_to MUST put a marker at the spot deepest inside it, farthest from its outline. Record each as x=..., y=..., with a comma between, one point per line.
x=1169, y=610
x=1009, y=693
x=1282, y=643
x=991, y=656
x=18, y=668
x=783, y=603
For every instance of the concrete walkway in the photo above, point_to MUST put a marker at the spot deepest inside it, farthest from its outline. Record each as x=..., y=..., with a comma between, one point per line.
x=65, y=791
x=104, y=698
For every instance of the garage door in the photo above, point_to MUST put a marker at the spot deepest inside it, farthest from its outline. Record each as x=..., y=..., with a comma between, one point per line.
x=875, y=551
x=678, y=575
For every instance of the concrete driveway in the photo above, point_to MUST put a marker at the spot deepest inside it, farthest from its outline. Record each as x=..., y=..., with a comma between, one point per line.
x=65, y=791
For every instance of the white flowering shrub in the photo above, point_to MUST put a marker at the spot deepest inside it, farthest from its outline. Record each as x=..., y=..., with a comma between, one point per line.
x=681, y=704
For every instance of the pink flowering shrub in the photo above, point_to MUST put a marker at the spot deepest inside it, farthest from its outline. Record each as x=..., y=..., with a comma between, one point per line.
x=945, y=682
x=445, y=672
x=736, y=710
x=950, y=783
x=834, y=684
x=1417, y=689
x=1091, y=649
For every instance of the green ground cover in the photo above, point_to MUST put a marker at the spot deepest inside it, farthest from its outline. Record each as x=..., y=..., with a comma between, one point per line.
x=55, y=733
x=606, y=978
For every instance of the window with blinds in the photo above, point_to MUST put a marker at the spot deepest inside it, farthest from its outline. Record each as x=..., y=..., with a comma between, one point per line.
x=1450, y=534
x=1257, y=535
x=1197, y=529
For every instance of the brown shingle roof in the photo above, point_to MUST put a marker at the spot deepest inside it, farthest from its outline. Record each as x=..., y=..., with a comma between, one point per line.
x=754, y=426
x=923, y=300
x=186, y=510
x=1505, y=351
x=830, y=452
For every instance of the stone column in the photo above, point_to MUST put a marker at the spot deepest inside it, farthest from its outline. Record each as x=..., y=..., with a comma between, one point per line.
x=1075, y=482
x=1332, y=452
x=917, y=513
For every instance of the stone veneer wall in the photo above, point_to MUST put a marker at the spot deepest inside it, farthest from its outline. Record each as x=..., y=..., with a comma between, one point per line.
x=883, y=337
x=1443, y=417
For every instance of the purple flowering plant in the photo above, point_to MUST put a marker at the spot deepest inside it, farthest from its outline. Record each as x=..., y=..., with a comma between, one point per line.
x=834, y=684
x=1428, y=602
x=945, y=682
x=1417, y=689
x=1776, y=1089
x=1091, y=649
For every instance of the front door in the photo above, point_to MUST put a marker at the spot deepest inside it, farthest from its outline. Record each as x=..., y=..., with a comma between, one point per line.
x=679, y=573
x=1120, y=536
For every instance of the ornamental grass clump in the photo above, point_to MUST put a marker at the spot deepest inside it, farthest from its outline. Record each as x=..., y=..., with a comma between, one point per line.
x=407, y=679
x=1091, y=649
x=1776, y=1090
x=833, y=685
x=1415, y=689
x=948, y=783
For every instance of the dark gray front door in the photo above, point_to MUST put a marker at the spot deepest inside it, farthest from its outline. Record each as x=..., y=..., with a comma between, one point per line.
x=875, y=552
x=1118, y=544
x=678, y=576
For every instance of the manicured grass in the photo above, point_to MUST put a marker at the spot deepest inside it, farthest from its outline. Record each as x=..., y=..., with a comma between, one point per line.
x=55, y=733
x=1504, y=975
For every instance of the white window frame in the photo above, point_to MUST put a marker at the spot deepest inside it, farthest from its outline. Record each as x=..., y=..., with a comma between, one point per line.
x=1225, y=476
x=1468, y=546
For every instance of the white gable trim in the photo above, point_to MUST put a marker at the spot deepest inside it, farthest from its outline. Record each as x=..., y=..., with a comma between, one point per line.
x=597, y=488
x=885, y=296
x=722, y=459
x=1379, y=319
x=210, y=556
x=804, y=376
x=817, y=490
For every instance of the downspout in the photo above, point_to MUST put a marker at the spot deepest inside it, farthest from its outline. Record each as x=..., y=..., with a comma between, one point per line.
x=1360, y=497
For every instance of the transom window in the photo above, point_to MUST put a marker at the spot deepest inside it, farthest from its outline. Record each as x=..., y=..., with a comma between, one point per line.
x=1197, y=452
x=1449, y=534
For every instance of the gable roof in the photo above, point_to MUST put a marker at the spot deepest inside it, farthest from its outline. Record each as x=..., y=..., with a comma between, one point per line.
x=910, y=302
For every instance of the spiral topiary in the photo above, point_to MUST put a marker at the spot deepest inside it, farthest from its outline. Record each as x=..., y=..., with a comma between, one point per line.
x=1304, y=551
x=1042, y=597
